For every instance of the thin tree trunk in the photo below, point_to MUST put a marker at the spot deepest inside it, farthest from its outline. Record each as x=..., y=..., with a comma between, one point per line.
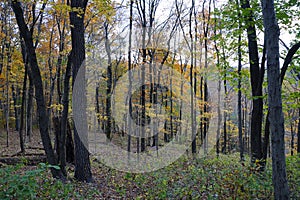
x=241, y=147
x=224, y=147
x=15, y=91
x=23, y=96
x=108, y=127
x=64, y=117
x=29, y=107
x=129, y=119
x=293, y=138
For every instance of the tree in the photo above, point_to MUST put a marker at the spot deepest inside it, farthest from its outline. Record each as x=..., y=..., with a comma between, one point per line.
x=38, y=84
x=241, y=146
x=257, y=75
x=82, y=160
x=279, y=177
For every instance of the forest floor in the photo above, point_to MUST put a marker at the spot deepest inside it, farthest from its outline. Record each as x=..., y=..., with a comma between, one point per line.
x=207, y=178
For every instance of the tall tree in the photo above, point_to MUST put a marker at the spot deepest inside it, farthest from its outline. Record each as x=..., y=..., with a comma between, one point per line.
x=38, y=84
x=256, y=75
x=279, y=177
x=82, y=160
x=241, y=146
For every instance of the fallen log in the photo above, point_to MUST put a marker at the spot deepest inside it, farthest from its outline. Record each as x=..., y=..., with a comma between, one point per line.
x=27, y=160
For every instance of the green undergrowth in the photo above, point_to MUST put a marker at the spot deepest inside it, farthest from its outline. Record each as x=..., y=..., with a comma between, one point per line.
x=209, y=178
x=23, y=182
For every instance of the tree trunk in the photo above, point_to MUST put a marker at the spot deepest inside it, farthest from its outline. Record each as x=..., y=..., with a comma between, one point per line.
x=224, y=147
x=108, y=127
x=64, y=117
x=129, y=119
x=279, y=177
x=256, y=76
x=293, y=137
x=288, y=59
x=82, y=159
x=15, y=91
x=241, y=146
x=38, y=84
x=240, y=126
x=23, y=96
x=29, y=108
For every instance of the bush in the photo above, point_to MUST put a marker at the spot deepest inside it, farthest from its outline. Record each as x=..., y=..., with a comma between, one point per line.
x=17, y=183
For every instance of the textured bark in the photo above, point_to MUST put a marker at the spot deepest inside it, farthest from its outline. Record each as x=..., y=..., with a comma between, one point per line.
x=279, y=177
x=82, y=160
x=288, y=59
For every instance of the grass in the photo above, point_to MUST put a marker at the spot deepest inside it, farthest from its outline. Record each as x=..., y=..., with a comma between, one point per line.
x=209, y=178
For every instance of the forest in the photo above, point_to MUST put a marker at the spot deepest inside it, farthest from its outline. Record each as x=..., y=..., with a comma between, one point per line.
x=150, y=99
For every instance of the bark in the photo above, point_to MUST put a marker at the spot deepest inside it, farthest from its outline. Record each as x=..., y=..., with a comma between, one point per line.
x=15, y=92
x=64, y=117
x=256, y=76
x=293, y=138
x=288, y=59
x=29, y=107
x=143, y=93
x=279, y=177
x=82, y=159
x=194, y=144
x=108, y=127
x=241, y=146
x=224, y=147
x=219, y=89
x=23, y=96
x=38, y=84
x=129, y=119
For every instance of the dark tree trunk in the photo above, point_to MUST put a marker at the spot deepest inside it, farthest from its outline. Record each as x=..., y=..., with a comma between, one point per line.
x=256, y=76
x=69, y=145
x=29, y=108
x=279, y=177
x=108, y=127
x=64, y=118
x=224, y=147
x=240, y=127
x=82, y=159
x=38, y=84
x=129, y=119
